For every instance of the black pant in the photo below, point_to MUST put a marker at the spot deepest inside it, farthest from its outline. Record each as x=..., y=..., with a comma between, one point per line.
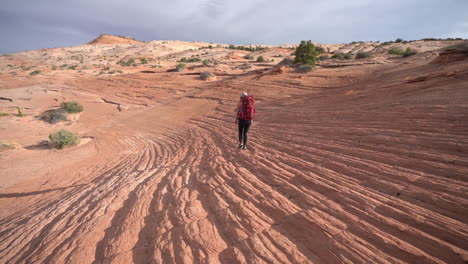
x=244, y=126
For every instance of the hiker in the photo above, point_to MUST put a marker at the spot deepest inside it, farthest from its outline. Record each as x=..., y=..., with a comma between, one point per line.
x=244, y=117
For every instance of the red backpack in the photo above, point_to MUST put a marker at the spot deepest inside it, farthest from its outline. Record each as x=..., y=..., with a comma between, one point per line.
x=248, y=108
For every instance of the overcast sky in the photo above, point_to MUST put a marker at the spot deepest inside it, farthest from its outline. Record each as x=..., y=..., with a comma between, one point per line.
x=34, y=24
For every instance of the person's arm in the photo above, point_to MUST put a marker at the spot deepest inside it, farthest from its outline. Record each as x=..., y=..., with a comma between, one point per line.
x=236, y=111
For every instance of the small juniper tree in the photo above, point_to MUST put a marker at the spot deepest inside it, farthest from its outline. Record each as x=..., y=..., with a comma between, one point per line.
x=306, y=53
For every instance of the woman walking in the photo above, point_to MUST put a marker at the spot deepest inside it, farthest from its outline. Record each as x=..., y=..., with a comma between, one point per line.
x=245, y=111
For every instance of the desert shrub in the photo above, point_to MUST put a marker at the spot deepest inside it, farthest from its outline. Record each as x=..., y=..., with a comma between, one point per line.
x=248, y=57
x=5, y=146
x=20, y=113
x=130, y=62
x=54, y=68
x=180, y=67
x=347, y=56
x=409, y=52
x=205, y=62
x=337, y=56
x=64, y=138
x=106, y=69
x=462, y=48
x=324, y=57
x=396, y=51
x=54, y=116
x=36, y=72
x=143, y=61
x=319, y=50
x=4, y=114
x=304, y=68
x=362, y=55
x=245, y=66
x=286, y=62
x=71, y=107
x=72, y=67
x=24, y=68
x=398, y=40
x=260, y=59
x=193, y=60
x=183, y=59
x=306, y=53
x=205, y=75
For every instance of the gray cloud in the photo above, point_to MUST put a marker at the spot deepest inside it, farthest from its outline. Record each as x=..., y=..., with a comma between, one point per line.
x=29, y=24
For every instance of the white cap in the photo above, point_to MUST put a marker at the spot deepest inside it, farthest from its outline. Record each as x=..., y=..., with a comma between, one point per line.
x=243, y=94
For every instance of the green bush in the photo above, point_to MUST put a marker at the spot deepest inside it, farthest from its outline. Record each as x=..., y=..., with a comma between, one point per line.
x=183, y=59
x=205, y=62
x=398, y=40
x=36, y=72
x=54, y=116
x=4, y=114
x=130, y=62
x=194, y=60
x=180, y=67
x=143, y=61
x=337, y=56
x=71, y=107
x=248, y=57
x=409, y=52
x=306, y=53
x=204, y=76
x=64, y=138
x=319, y=50
x=324, y=57
x=362, y=55
x=347, y=56
x=396, y=51
x=260, y=59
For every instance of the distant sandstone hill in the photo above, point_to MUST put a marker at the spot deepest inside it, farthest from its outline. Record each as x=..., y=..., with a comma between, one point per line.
x=111, y=39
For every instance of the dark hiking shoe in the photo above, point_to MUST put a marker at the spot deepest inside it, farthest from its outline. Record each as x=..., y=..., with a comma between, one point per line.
x=244, y=147
x=240, y=146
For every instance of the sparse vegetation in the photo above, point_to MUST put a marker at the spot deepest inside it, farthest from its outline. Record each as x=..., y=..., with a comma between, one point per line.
x=207, y=75
x=54, y=68
x=205, y=62
x=143, y=61
x=338, y=56
x=245, y=66
x=20, y=113
x=130, y=62
x=54, y=116
x=248, y=57
x=362, y=55
x=36, y=72
x=64, y=138
x=260, y=59
x=71, y=107
x=72, y=67
x=249, y=48
x=5, y=146
x=324, y=57
x=398, y=40
x=24, y=68
x=304, y=68
x=4, y=114
x=286, y=62
x=409, y=52
x=306, y=53
x=180, y=67
x=319, y=50
x=347, y=56
x=396, y=51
